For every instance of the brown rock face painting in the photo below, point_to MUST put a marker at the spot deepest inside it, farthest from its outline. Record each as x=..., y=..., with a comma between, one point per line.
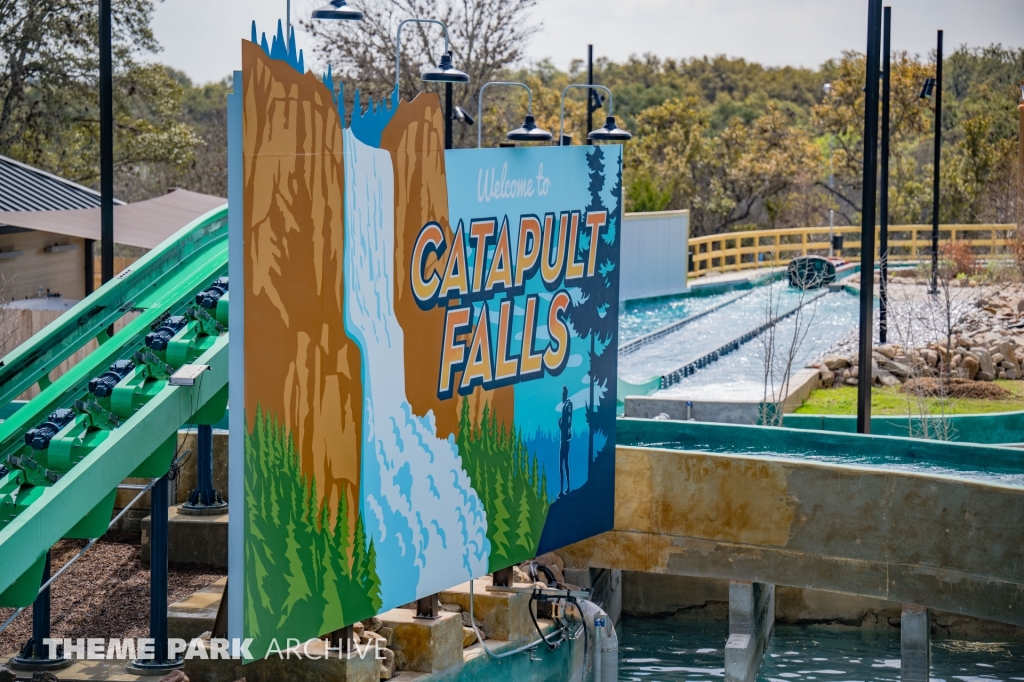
x=429, y=344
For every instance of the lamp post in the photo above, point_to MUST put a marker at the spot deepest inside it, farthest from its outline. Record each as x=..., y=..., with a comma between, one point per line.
x=831, y=184
x=529, y=132
x=609, y=132
x=106, y=144
x=337, y=10
x=867, y=233
x=883, y=190
x=933, y=87
x=444, y=72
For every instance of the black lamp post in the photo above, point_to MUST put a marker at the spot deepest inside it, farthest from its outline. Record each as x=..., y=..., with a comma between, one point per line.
x=609, y=132
x=883, y=191
x=106, y=144
x=933, y=87
x=528, y=132
x=445, y=72
x=867, y=232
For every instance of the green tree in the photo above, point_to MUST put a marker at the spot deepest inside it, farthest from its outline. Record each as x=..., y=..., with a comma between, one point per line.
x=49, y=114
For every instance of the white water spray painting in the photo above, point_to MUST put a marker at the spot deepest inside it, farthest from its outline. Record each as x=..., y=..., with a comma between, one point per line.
x=425, y=519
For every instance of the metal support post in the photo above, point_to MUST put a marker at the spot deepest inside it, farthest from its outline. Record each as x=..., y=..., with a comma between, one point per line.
x=159, y=497
x=935, y=166
x=883, y=191
x=590, y=93
x=502, y=578
x=35, y=655
x=867, y=239
x=204, y=500
x=106, y=145
x=427, y=607
x=449, y=116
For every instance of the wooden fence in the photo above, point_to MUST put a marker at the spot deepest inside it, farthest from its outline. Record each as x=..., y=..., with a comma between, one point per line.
x=764, y=248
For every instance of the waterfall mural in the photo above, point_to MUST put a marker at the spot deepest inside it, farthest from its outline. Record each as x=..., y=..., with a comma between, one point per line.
x=426, y=368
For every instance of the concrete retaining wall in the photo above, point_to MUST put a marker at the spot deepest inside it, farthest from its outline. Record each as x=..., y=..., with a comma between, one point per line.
x=939, y=542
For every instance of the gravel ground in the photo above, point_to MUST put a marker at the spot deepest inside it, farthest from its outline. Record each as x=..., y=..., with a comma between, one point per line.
x=104, y=594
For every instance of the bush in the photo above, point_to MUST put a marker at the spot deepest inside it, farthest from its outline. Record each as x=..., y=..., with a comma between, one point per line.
x=959, y=257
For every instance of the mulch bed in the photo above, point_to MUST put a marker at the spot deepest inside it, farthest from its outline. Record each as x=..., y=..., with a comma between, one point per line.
x=956, y=388
x=104, y=594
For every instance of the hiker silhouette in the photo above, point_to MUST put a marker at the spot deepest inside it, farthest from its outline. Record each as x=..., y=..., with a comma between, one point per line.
x=565, y=435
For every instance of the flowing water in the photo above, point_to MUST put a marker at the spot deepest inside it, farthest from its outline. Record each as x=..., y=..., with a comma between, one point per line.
x=637, y=318
x=740, y=375
x=710, y=332
x=666, y=650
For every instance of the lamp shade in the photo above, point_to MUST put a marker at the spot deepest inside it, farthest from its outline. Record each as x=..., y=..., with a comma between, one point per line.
x=610, y=132
x=445, y=72
x=529, y=132
x=338, y=9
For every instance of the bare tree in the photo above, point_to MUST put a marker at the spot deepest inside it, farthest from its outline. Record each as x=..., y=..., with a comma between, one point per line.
x=780, y=347
x=487, y=37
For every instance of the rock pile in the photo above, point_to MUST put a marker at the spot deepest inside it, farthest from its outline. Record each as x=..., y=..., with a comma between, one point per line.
x=986, y=356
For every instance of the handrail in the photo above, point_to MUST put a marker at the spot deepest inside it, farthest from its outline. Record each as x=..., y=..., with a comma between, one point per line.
x=733, y=251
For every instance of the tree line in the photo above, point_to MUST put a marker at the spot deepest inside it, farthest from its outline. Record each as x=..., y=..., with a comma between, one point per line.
x=740, y=145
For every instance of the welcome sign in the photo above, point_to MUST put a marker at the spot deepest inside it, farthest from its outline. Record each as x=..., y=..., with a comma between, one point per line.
x=424, y=355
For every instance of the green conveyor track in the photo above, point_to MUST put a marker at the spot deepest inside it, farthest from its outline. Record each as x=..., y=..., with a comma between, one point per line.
x=63, y=483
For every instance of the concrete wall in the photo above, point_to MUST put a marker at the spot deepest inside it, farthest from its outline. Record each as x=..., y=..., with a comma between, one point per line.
x=943, y=543
x=654, y=255
x=61, y=272
x=663, y=595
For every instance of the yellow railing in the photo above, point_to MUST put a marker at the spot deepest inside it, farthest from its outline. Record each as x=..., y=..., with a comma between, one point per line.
x=764, y=248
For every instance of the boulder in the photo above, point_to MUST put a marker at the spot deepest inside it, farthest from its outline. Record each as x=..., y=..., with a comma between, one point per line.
x=469, y=624
x=373, y=624
x=985, y=360
x=997, y=358
x=6, y=674
x=45, y=676
x=972, y=366
x=388, y=634
x=930, y=357
x=468, y=637
x=358, y=629
x=1009, y=352
x=899, y=369
x=825, y=378
x=1012, y=374
x=886, y=350
x=984, y=376
x=454, y=608
x=834, y=362
x=387, y=664
x=886, y=379
x=851, y=381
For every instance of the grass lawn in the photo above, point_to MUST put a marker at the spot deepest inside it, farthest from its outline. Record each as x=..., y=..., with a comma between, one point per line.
x=890, y=401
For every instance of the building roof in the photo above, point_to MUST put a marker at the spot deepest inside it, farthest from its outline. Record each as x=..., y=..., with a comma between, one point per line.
x=24, y=188
x=144, y=223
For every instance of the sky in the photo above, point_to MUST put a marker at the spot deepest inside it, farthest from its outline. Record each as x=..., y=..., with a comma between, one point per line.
x=200, y=37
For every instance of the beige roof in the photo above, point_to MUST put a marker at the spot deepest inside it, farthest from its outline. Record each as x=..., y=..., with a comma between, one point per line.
x=144, y=223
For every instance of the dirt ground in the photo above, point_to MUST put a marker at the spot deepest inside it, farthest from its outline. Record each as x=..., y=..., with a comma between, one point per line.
x=104, y=594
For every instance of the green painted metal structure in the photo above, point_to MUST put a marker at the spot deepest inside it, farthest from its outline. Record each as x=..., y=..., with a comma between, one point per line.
x=67, y=488
x=995, y=428
x=859, y=449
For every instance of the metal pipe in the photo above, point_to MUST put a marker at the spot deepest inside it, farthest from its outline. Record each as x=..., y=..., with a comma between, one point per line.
x=883, y=189
x=867, y=240
x=106, y=144
x=586, y=86
x=448, y=116
x=398, y=44
x=480, y=105
x=41, y=615
x=935, y=168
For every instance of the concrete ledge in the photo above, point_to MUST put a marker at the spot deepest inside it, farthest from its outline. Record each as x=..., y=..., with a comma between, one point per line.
x=801, y=384
x=195, y=614
x=192, y=539
x=429, y=646
x=505, y=615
